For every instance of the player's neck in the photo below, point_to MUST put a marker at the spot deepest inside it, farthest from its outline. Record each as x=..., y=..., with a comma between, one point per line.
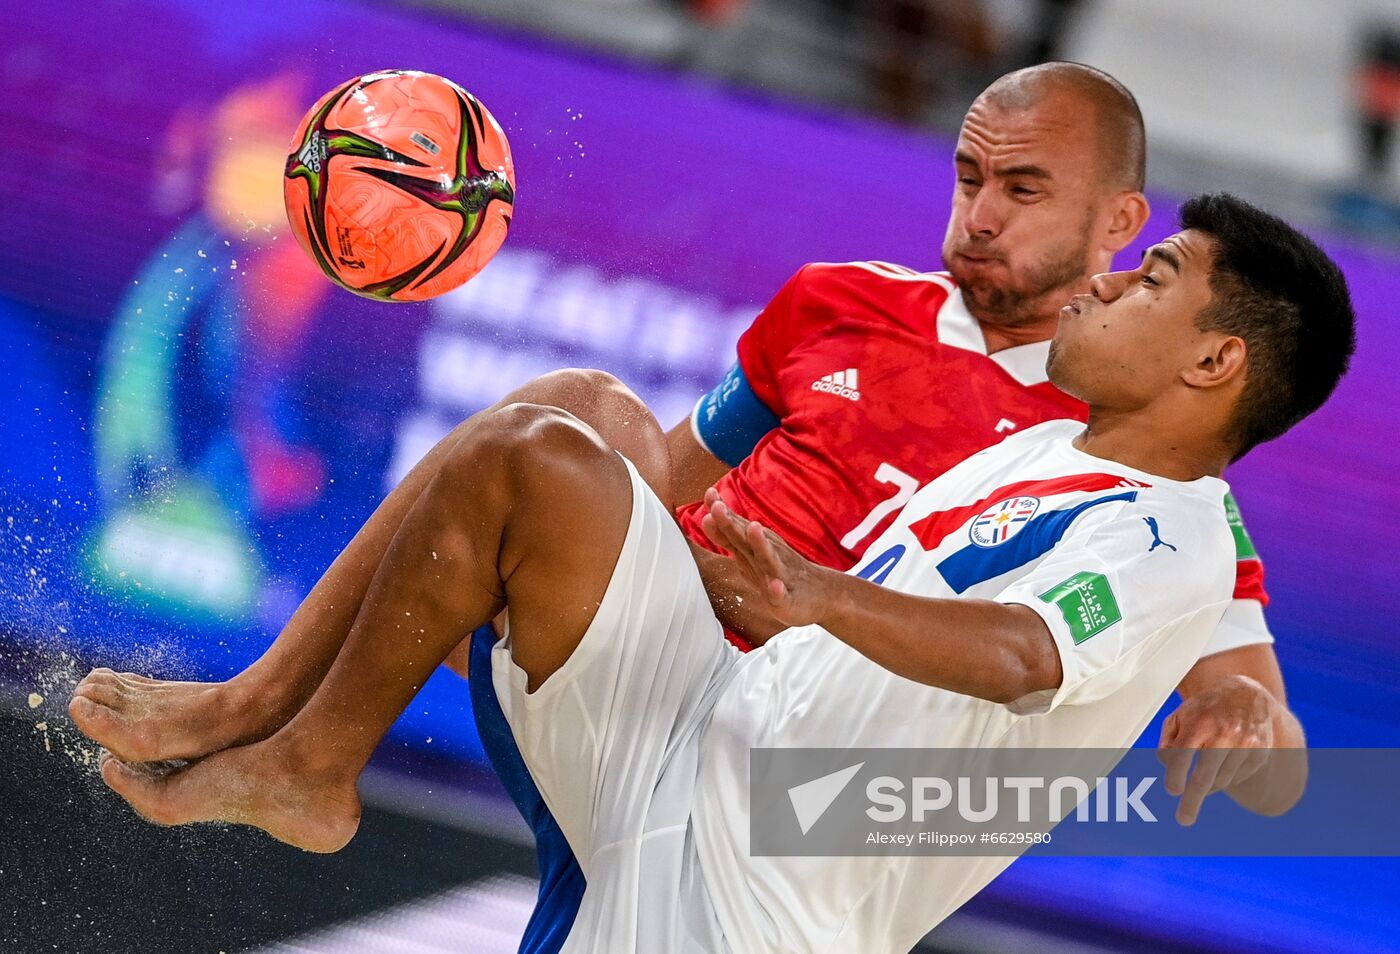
x=1032, y=322
x=1000, y=337
x=1149, y=444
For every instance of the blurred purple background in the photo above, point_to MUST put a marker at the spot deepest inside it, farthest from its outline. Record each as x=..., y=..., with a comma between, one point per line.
x=152, y=309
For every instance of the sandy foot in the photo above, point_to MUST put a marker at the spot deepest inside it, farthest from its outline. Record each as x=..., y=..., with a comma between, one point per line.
x=253, y=785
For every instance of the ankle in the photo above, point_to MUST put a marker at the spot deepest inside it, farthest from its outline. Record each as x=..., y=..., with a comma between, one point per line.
x=253, y=708
x=311, y=760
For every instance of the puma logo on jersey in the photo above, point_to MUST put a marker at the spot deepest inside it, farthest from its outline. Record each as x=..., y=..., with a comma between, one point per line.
x=840, y=383
x=1157, y=540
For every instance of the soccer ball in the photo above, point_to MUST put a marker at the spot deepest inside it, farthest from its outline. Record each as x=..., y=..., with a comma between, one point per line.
x=399, y=185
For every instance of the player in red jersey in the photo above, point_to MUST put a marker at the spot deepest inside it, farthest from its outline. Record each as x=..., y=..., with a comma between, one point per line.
x=857, y=384
x=834, y=454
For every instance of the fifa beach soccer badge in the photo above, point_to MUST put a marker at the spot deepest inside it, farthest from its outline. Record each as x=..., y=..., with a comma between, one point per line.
x=1002, y=521
x=1086, y=602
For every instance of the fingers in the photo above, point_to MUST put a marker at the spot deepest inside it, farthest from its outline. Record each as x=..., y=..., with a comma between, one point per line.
x=729, y=523
x=720, y=530
x=1178, y=765
x=731, y=532
x=1192, y=785
x=1171, y=730
x=751, y=545
x=1201, y=784
x=1217, y=770
x=1230, y=770
x=763, y=559
x=1254, y=761
x=712, y=530
x=763, y=551
x=1222, y=763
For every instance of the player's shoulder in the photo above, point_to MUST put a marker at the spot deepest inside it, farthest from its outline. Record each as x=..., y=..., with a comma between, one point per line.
x=872, y=274
x=875, y=292
x=1180, y=531
x=1196, y=506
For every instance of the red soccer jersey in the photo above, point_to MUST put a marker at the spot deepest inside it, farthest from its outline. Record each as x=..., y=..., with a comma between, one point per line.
x=879, y=380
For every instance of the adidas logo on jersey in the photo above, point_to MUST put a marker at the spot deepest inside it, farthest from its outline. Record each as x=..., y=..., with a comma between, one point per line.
x=840, y=383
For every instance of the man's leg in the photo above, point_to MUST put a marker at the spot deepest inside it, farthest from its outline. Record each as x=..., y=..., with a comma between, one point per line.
x=141, y=719
x=529, y=510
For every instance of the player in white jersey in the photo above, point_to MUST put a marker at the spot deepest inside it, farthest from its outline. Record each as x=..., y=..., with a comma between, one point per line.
x=1032, y=523
x=1049, y=591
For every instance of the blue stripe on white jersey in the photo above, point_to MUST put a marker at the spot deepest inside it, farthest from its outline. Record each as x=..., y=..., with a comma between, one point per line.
x=975, y=564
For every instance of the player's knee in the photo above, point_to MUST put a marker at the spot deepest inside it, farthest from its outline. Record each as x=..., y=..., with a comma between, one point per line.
x=536, y=445
x=614, y=399
x=596, y=397
x=574, y=387
x=619, y=417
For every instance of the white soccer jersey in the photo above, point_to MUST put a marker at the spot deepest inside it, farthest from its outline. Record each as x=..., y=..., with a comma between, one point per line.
x=1131, y=573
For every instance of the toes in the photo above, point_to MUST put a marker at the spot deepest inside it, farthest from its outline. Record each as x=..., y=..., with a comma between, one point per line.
x=106, y=726
x=92, y=718
x=149, y=795
x=102, y=693
x=121, y=779
x=97, y=677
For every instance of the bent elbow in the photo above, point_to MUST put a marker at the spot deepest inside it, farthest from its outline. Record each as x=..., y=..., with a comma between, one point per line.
x=1025, y=661
x=1024, y=673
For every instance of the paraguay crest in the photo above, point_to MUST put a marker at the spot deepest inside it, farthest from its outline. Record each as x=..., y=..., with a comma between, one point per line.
x=1002, y=521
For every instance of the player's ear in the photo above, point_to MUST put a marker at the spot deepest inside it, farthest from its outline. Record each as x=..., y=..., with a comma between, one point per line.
x=1130, y=213
x=1220, y=360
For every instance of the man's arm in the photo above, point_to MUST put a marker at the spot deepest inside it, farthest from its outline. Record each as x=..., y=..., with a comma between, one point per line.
x=1235, y=709
x=694, y=469
x=994, y=651
x=981, y=648
x=1234, y=702
x=721, y=432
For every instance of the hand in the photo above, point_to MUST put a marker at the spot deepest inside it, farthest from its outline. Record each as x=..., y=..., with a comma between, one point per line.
x=791, y=586
x=1232, y=725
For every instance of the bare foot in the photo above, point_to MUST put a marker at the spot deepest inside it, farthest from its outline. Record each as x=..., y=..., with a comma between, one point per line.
x=145, y=720
x=257, y=785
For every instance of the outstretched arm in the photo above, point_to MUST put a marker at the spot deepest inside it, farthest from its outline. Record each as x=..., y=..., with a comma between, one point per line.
x=980, y=648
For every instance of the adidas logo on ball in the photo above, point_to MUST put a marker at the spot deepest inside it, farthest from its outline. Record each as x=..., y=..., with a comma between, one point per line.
x=313, y=154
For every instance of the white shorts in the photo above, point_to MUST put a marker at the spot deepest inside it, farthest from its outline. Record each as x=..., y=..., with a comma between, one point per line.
x=612, y=742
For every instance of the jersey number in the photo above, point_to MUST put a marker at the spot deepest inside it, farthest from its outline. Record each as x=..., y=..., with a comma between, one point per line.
x=904, y=489
x=883, y=565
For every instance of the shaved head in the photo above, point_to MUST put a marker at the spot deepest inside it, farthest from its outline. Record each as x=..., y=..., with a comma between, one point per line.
x=1121, y=139
x=1050, y=166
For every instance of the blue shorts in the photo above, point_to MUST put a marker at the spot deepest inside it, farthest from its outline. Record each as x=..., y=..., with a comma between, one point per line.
x=561, y=879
